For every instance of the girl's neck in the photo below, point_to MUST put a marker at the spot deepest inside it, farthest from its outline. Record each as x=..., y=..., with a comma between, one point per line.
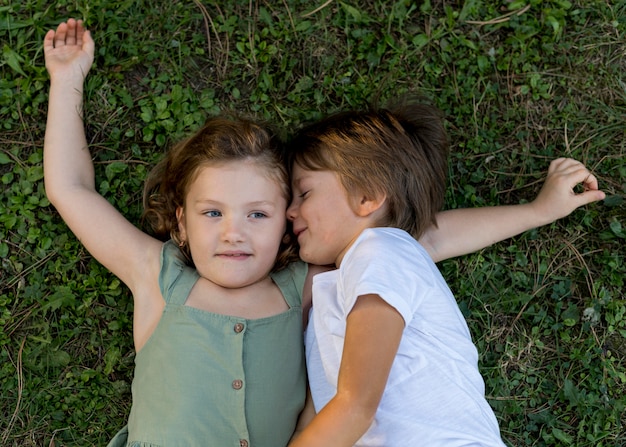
x=257, y=300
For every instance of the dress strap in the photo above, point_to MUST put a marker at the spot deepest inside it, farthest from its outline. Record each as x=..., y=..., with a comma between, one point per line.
x=176, y=278
x=290, y=281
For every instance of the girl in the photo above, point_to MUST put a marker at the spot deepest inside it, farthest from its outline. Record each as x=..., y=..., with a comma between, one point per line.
x=389, y=355
x=217, y=308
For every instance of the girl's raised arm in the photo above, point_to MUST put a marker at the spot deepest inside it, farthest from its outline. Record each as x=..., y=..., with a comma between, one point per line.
x=467, y=230
x=68, y=169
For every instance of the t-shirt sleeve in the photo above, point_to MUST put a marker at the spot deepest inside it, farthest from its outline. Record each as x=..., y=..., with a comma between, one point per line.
x=389, y=266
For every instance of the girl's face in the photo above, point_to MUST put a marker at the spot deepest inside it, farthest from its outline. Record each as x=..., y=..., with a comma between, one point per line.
x=324, y=221
x=233, y=220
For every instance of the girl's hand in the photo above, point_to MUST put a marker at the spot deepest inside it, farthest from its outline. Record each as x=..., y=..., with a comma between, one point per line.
x=557, y=197
x=69, y=50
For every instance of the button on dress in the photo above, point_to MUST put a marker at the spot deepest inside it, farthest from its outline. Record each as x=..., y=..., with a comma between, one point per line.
x=209, y=379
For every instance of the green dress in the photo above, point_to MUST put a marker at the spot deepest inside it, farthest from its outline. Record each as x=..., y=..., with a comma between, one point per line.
x=205, y=379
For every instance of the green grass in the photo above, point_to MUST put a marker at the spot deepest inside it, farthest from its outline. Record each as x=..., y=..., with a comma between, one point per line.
x=521, y=83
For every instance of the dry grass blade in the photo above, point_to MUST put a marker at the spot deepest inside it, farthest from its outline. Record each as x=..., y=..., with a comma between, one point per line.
x=579, y=256
x=20, y=388
x=501, y=19
x=293, y=25
x=251, y=31
x=16, y=279
x=223, y=49
x=319, y=8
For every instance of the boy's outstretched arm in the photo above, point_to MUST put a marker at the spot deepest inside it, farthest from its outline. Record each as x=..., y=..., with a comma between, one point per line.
x=466, y=230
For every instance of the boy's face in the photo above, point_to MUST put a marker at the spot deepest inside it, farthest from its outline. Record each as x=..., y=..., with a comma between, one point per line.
x=324, y=221
x=233, y=220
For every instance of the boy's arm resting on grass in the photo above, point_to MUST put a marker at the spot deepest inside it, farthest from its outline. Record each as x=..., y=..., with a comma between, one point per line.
x=464, y=231
x=68, y=169
x=373, y=333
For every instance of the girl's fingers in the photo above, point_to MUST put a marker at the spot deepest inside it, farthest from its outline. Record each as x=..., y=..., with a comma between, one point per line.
x=68, y=33
x=70, y=38
x=48, y=40
x=60, y=35
x=88, y=43
x=80, y=31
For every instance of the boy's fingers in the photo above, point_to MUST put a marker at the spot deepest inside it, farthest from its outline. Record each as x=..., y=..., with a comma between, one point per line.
x=581, y=175
x=590, y=196
x=591, y=192
x=572, y=173
x=556, y=164
x=564, y=164
x=591, y=182
x=569, y=173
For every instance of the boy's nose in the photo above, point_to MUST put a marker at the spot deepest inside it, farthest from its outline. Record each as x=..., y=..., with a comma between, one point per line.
x=292, y=212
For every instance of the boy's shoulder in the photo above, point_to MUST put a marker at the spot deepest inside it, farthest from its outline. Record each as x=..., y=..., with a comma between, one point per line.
x=390, y=236
x=387, y=244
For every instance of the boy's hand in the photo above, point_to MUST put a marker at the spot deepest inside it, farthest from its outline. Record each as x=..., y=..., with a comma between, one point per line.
x=69, y=50
x=557, y=197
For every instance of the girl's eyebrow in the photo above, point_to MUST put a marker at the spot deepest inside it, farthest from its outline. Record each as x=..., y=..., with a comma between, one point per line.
x=218, y=203
x=262, y=203
x=202, y=201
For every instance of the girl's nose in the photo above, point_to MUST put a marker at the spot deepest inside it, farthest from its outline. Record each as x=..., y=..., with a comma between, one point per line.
x=232, y=230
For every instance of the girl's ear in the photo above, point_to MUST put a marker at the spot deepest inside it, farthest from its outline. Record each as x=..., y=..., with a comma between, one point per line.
x=180, y=217
x=366, y=206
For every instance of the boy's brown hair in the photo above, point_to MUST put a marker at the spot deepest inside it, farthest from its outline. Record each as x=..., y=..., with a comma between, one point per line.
x=219, y=140
x=400, y=151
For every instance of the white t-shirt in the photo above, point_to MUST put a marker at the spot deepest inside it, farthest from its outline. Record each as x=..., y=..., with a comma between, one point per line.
x=435, y=394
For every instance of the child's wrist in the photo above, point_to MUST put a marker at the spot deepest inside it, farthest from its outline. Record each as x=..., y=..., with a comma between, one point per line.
x=538, y=215
x=67, y=78
x=67, y=84
x=68, y=75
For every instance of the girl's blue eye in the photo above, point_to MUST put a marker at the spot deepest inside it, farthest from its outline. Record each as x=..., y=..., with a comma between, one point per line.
x=258, y=215
x=213, y=213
